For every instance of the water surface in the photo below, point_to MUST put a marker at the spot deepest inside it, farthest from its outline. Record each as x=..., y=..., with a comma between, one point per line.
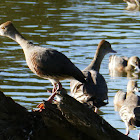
x=73, y=28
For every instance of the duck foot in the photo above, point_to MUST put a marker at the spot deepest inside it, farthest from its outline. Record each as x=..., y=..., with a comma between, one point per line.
x=51, y=98
x=41, y=105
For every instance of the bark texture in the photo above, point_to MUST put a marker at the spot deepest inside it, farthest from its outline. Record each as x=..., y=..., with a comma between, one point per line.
x=64, y=120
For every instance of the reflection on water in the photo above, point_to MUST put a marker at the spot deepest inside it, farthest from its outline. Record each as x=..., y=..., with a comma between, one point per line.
x=131, y=75
x=73, y=28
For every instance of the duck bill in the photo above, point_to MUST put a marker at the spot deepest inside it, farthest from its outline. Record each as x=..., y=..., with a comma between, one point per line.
x=136, y=89
x=113, y=51
x=137, y=69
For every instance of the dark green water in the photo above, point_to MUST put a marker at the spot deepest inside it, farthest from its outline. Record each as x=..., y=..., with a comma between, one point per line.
x=73, y=27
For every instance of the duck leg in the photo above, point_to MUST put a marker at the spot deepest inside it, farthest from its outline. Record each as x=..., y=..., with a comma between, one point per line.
x=139, y=136
x=95, y=109
x=59, y=86
x=127, y=130
x=55, y=89
x=50, y=99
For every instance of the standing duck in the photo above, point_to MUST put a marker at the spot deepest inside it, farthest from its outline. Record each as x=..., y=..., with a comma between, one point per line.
x=124, y=64
x=96, y=88
x=46, y=63
x=120, y=96
x=130, y=111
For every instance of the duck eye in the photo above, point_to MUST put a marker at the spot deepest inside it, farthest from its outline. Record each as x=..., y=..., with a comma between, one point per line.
x=2, y=27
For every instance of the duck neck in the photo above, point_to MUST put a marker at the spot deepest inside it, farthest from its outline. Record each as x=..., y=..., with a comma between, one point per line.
x=129, y=68
x=16, y=36
x=96, y=62
x=130, y=93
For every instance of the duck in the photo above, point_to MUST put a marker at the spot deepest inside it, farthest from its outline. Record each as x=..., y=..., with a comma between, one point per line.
x=46, y=63
x=130, y=111
x=120, y=96
x=96, y=90
x=124, y=64
x=132, y=4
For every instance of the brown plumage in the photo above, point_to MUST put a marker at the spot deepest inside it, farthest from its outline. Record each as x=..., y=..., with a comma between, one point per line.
x=95, y=91
x=132, y=4
x=47, y=63
x=130, y=110
x=120, y=96
x=124, y=64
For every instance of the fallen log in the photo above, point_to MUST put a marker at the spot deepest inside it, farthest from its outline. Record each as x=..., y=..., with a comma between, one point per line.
x=64, y=120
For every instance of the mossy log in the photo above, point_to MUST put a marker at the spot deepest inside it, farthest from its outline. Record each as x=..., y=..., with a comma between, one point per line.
x=64, y=120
